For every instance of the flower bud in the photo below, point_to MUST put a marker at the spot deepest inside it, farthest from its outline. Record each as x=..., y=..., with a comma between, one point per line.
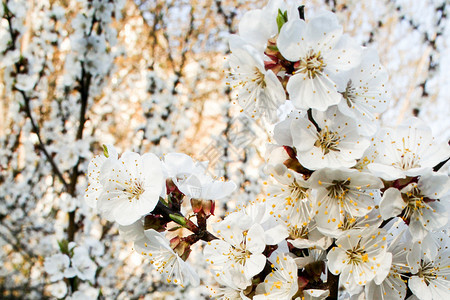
x=204, y=207
x=155, y=222
x=181, y=247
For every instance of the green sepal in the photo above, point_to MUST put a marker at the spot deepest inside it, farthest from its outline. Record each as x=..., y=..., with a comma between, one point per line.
x=64, y=246
x=163, y=201
x=105, y=151
x=175, y=228
x=281, y=19
x=178, y=219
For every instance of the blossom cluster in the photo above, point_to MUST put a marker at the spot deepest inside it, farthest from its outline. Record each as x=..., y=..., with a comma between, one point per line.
x=144, y=195
x=349, y=207
x=75, y=261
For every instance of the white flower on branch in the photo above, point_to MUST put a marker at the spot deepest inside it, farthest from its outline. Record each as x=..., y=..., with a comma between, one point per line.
x=364, y=92
x=302, y=228
x=257, y=26
x=58, y=289
x=359, y=256
x=393, y=286
x=57, y=266
x=430, y=277
x=83, y=265
x=259, y=92
x=407, y=151
x=95, y=187
x=131, y=187
x=286, y=196
x=372, y=219
x=320, y=53
x=342, y=194
x=240, y=250
x=422, y=205
x=233, y=286
x=192, y=180
x=255, y=213
x=337, y=144
x=282, y=282
x=156, y=248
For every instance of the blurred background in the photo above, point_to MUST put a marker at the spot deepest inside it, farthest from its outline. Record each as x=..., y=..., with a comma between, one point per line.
x=149, y=76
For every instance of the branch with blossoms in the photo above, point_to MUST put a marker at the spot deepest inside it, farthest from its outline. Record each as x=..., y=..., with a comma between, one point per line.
x=350, y=209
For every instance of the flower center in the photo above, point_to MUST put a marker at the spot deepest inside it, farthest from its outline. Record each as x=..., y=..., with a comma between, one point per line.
x=134, y=189
x=415, y=202
x=277, y=284
x=296, y=192
x=427, y=272
x=258, y=78
x=349, y=94
x=312, y=64
x=408, y=159
x=296, y=232
x=327, y=140
x=338, y=189
x=357, y=255
x=240, y=254
x=348, y=223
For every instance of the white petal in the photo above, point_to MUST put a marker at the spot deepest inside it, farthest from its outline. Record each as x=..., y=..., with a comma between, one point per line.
x=336, y=260
x=419, y=288
x=282, y=133
x=255, y=239
x=324, y=30
x=384, y=269
x=345, y=56
x=276, y=234
x=254, y=265
x=304, y=134
x=319, y=92
x=391, y=204
x=290, y=41
x=256, y=28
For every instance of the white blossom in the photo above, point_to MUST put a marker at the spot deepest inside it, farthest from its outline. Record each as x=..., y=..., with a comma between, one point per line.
x=365, y=94
x=319, y=52
x=393, y=286
x=359, y=256
x=430, y=277
x=422, y=205
x=83, y=265
x=257, y=26
x=192, y=180
x=58, y=289
x=57, y=266
x=286, y=196
x=156, y=248
x=407, y=150
x=337, y=144
x=302, y=228
x=342, y=194
x=132, y=187
x=282, y=282
x=95, y=187
x=259, y=92
x=240, y=250
x=233, y=286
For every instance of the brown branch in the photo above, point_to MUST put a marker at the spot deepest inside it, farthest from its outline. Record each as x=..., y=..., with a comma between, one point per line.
x=34, y=125
x=333, y=286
